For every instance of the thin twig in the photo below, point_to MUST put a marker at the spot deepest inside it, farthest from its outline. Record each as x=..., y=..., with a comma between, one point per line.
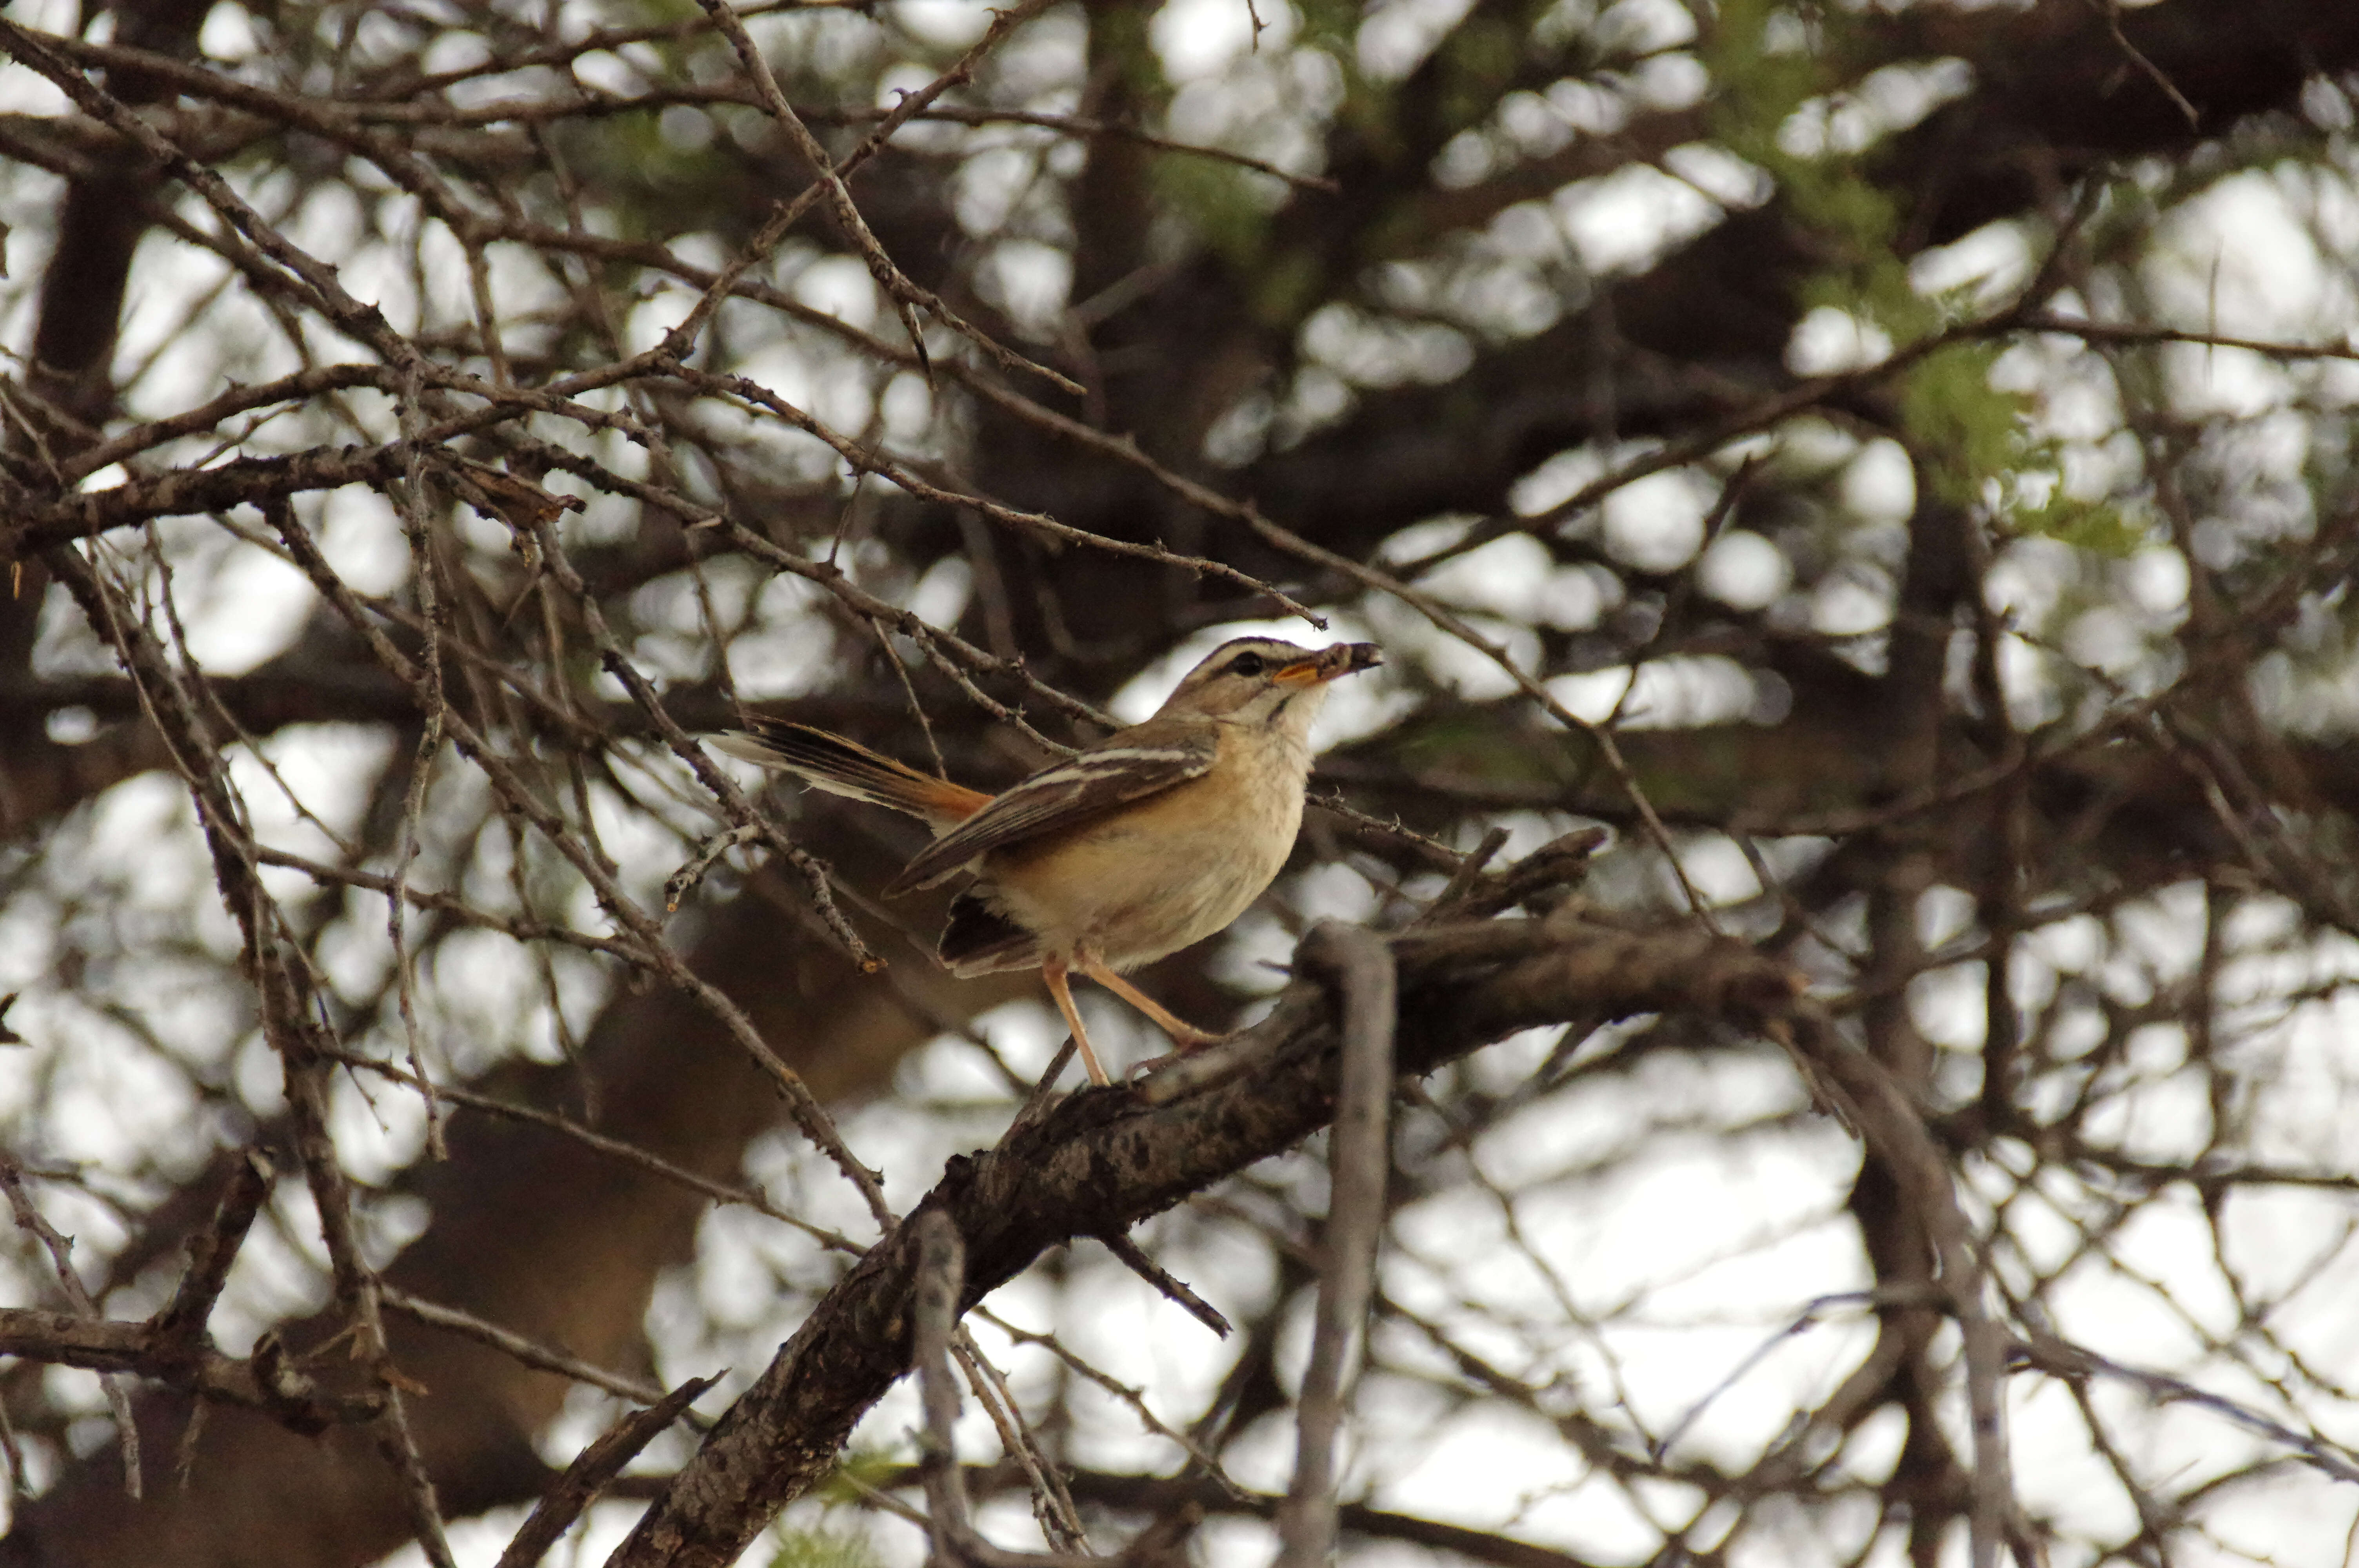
x=1470, y=870
x=61, y=1250
x=434, y=610
x=615, y=1148
x=1135, y=1398
x=906, y=295
x=938, y=1288
x=808, y=1115
x=512, y=1344
x=2111, y=10
x=1052, y=1506
x=1131, y=1257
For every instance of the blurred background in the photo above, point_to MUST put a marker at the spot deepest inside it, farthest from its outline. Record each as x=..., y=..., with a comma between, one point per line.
x=1902, y=451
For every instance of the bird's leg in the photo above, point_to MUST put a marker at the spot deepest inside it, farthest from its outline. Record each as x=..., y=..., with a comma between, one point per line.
x=1054, y=971
x=1184, y=1035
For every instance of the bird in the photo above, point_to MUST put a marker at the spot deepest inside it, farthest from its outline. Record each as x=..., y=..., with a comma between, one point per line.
x=1148, y=841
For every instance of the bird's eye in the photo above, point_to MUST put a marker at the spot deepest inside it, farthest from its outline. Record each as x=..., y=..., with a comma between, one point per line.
x=1247, y=665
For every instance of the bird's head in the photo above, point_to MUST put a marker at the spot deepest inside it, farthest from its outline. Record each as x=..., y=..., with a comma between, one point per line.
x=1266, y=681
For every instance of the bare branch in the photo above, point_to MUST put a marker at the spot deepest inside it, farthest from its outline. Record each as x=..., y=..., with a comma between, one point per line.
x=1360, y=1158
x=592, y=1470
x=1108, y=1157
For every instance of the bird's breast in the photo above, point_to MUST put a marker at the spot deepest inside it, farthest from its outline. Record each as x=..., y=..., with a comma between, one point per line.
x=1165, y=872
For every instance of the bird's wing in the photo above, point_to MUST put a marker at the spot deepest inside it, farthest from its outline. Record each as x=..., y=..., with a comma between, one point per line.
x=1142, y=760
x=839, y=767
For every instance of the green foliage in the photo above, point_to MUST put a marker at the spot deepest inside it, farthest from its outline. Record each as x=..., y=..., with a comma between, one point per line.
x=1288, y=288
x=1220, y=201
x=653, y=186
x=1370, y=112
x=2100, y=528
x=822, y=1547
x=1965, y=430
x=1762, y=81
x=1119, y=37
x=1758, y=83
x=1974, y=442
x=869, y=1467
x=1332, y=26
x=1477, y=62
x=1493, y=745
x=670, y=54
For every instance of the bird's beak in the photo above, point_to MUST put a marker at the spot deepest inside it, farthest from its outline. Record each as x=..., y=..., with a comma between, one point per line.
x=1332, y=664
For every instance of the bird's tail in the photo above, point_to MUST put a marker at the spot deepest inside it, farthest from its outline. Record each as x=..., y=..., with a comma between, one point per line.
x=841, y=767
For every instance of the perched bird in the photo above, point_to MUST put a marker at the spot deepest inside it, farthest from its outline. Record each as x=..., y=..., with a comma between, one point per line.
x=1154, y=839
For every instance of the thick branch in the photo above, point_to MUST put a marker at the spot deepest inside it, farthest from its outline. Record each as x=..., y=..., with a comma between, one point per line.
x=1106, y=1158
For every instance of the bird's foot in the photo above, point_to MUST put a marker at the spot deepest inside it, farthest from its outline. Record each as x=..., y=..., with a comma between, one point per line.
x=1188, y=1043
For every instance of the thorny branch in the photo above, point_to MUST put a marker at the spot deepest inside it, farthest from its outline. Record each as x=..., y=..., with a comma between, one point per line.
x=592, y=1470
x=546, y=692
x=1112, y=1157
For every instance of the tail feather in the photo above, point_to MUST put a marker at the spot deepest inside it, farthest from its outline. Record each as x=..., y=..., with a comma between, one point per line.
x=844, y=767
x=983, y=939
